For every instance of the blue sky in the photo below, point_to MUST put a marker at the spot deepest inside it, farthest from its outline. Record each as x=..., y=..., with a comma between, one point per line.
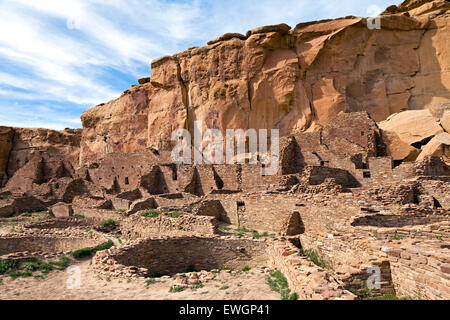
x=59, y=58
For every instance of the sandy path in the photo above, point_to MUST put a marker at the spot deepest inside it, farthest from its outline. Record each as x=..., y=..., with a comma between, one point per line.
x=248, y=286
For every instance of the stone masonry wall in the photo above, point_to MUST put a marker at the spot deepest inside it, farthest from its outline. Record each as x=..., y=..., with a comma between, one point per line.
x=136, y=226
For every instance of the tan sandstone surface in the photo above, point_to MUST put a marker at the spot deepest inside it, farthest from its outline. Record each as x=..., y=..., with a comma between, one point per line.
x=293, y=79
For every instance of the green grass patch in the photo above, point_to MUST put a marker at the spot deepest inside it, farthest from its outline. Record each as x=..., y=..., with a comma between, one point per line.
x=278, y=283
x=224, y=287
x=246, y=269
x=62, y=263
x=8, y=265
x=118, y=238
x=82, y=253
x=107, y=223
x=224, y=228
x=174, y=289
x=150, y=281
x=150, y=214
x=176, y=214
x=196, y=286
x=317, y=258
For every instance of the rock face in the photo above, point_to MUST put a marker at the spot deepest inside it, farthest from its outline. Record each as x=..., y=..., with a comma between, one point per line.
x=117, y=126
x=445, y=121
x=6, y=137
x=292, y=79
x=412, y=127
x=439, y=146
x=19, y=146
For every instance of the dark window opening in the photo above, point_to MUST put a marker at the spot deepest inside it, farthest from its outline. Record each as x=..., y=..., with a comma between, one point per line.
x=241, y=204
x=366, y=174
x=127, y=181
x=436, y=203
x=416, y=199
x=365, y=165
x=397, y=163
x=362, y=133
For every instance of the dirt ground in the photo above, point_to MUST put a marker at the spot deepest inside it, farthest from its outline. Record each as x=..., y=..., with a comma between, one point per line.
x=245, y=285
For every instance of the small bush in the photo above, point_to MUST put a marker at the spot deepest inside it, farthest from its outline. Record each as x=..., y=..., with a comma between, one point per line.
x=62, y=263
x=8, y=265
x=107, y=223
x=196, y=286
x=174, y=289
x=150, y=281
x=246, y=269
x=278, y=283
x=224, y=228
x=104, y=246
x=82, y=253
x=176, y=214
x=316, y=257
x=150, y=214
x=224, y=287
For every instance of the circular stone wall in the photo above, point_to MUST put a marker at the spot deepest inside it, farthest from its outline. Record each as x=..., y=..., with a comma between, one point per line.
x=177, y=255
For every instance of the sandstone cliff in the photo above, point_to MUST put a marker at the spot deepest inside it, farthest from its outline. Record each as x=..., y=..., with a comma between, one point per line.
x=293, y=79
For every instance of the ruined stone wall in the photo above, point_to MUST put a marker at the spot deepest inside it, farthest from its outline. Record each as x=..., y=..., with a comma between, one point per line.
x=256, y=210
x=420, y=269
x=136, y=226
x=309, y=281
x=63, y=145
x=177, y=254
x=41, y=244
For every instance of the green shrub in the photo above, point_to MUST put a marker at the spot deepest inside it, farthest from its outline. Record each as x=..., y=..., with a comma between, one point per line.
x=278, y=283
x=87, y=252
x=8, y=265
x=176, y=214
x=104, y=246
x=316, y=257
x=174, y=289
x=82, y=253
x=107, y=223
x=150, y=281
x=224, y=228
x=150, y=213
x=196, y=286
x=246, y=269
x=224, y=287
x=62, y=263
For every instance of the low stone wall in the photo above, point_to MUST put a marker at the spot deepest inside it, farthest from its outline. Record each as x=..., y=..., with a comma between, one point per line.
x=170, y=255
x=99, y=214
x=63, y=223
x=33, y=245
x=136, y=226
x=420, y=269
x=257, y=211
x=309, y=281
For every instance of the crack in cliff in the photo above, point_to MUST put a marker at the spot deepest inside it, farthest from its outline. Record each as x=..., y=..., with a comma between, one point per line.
x=184, y=95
